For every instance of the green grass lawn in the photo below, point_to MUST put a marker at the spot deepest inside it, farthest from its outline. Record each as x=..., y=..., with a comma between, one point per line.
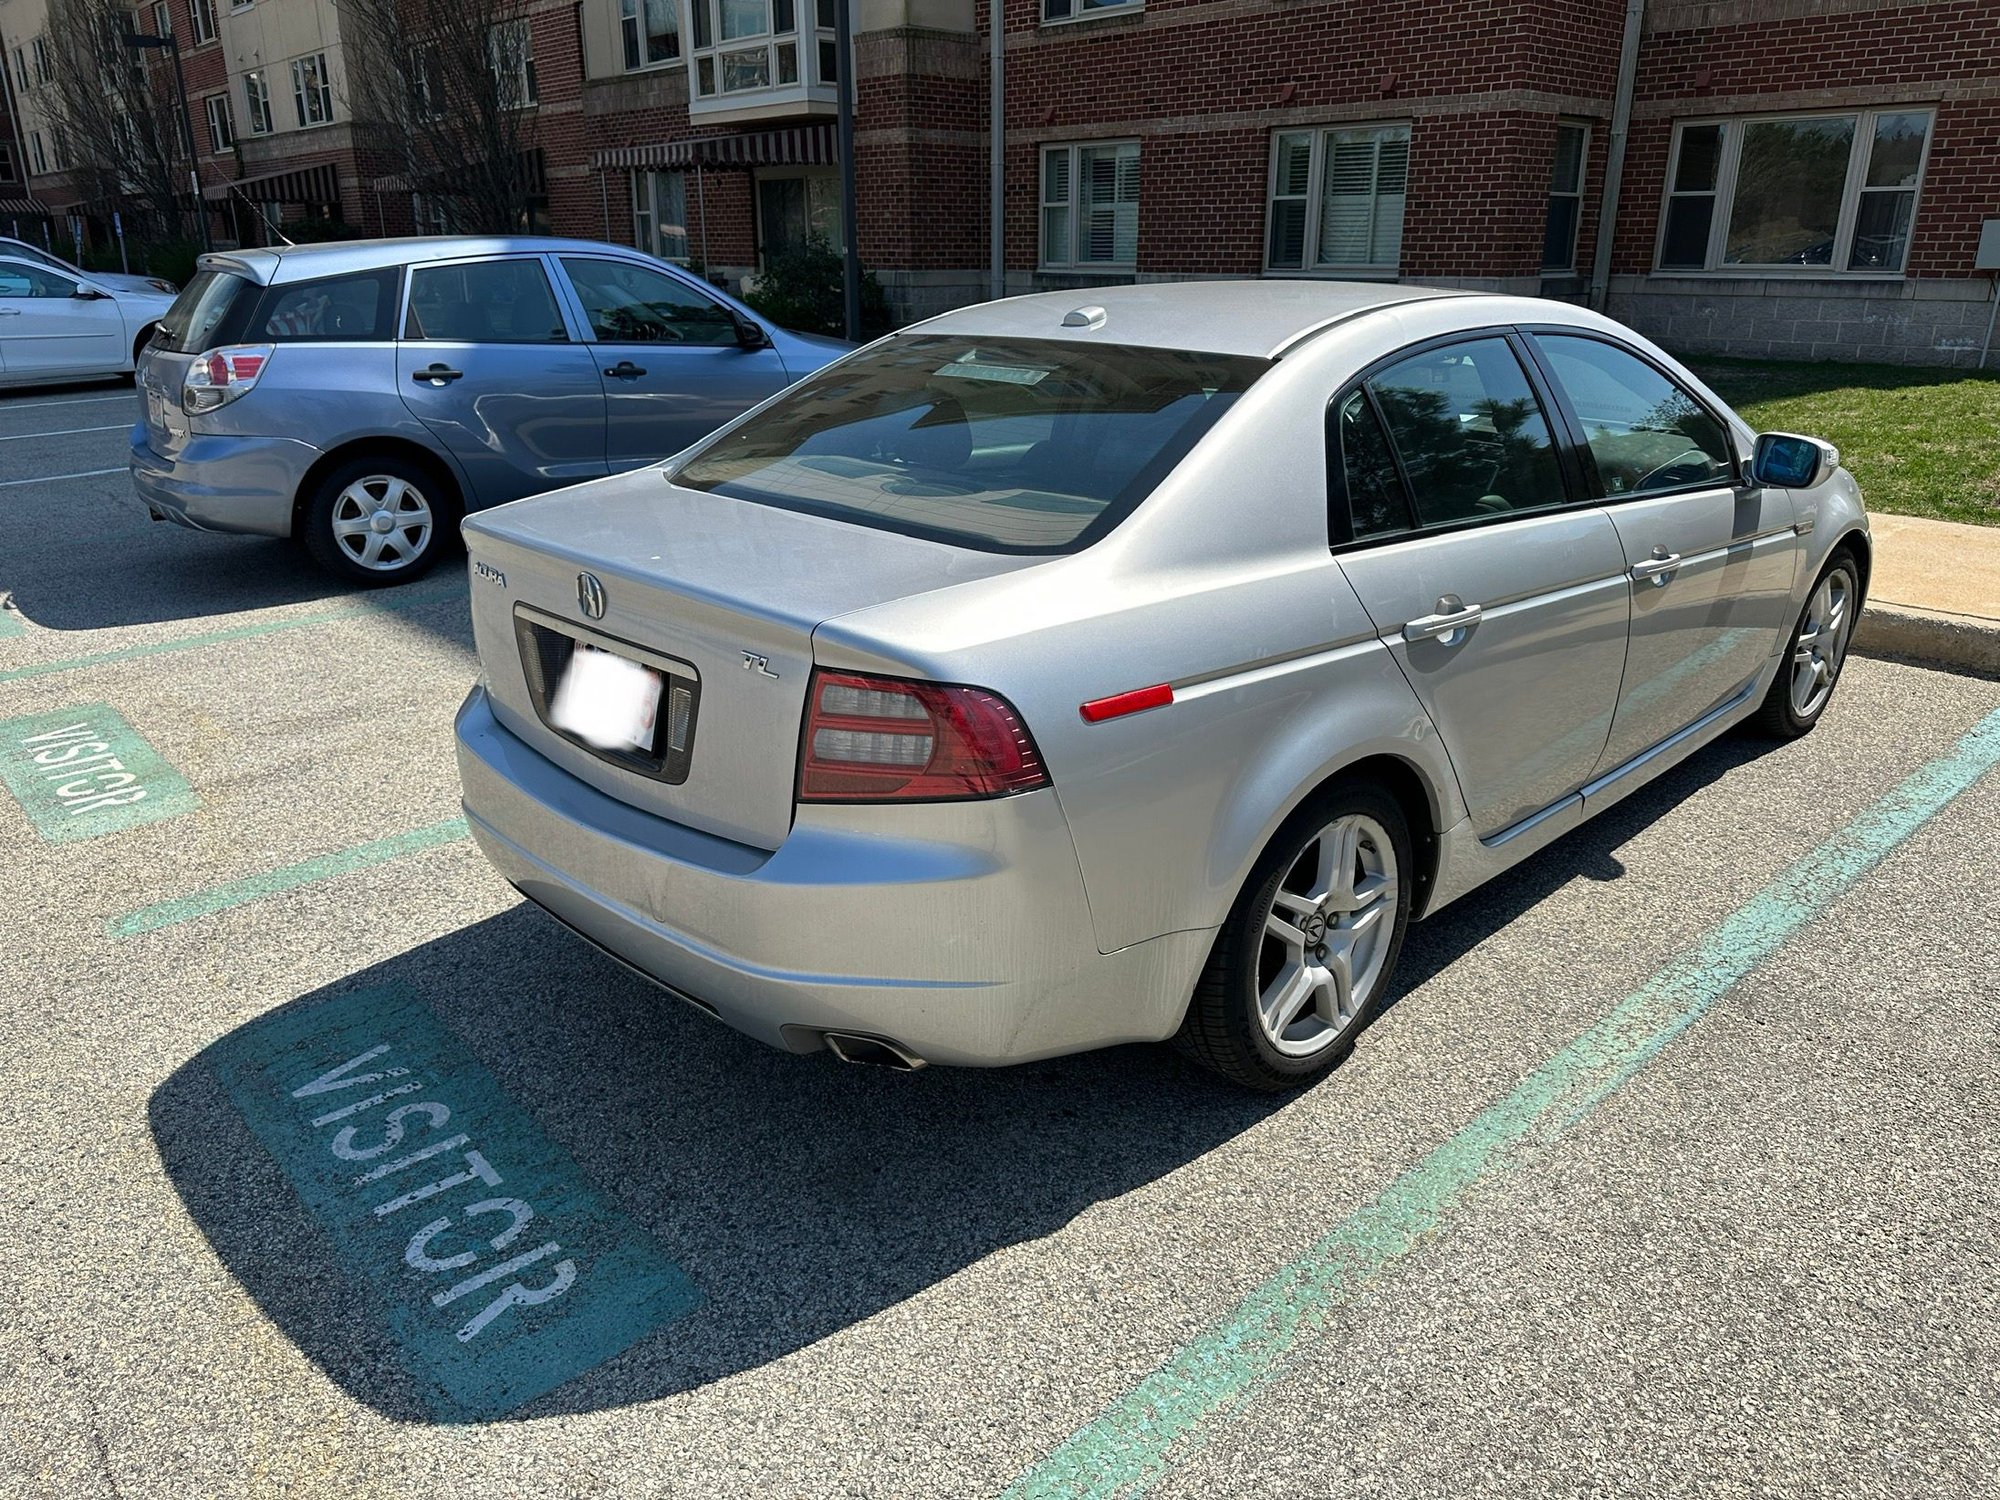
x=1921, y=442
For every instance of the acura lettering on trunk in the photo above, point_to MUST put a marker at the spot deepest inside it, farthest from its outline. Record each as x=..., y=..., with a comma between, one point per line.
x=1029, y=682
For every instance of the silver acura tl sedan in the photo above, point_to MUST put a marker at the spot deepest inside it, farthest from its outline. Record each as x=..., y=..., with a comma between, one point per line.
x=1049, y=675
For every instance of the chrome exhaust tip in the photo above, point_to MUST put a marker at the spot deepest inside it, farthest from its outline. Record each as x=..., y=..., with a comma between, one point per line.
x=871, y=1051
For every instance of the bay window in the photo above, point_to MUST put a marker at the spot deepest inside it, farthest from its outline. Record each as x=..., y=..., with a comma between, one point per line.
x=1336, y=198
x=740, y=47
x=1828, y=192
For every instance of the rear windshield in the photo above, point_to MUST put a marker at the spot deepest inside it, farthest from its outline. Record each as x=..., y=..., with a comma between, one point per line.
x=209, y=311
x=1000, y=444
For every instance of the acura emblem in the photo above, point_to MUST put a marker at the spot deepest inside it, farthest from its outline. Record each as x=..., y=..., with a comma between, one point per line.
x=590, y=596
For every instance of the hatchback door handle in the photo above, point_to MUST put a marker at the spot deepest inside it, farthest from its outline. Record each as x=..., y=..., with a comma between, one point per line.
x=1657, y=567
x=436, y=374
x=1437, y=627
x=625, y=370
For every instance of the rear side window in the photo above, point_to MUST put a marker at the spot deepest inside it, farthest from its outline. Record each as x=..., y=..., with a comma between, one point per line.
x=1006, y=445
x=484, y=302
x=212, y=310
x=331, y=308
x=1645, y=433
x=1376, y=504
x=1473, y=440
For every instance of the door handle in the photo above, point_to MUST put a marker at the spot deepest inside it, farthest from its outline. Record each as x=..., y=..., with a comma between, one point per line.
x=625, y=370
x=1449, y=626
x=436, y=375
x=10, y=312
x=1658, y=567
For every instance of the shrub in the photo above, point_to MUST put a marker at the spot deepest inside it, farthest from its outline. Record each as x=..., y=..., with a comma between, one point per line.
x=801, y=289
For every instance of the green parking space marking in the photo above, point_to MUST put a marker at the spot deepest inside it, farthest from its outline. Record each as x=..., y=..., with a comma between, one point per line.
x=83, y=772
x=1133, y=1445
x=497, y=1270
x=11, y=625
x=413, y=596
x=285, y=878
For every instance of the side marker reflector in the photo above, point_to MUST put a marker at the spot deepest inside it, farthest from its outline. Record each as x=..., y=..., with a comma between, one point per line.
x=1119, y=704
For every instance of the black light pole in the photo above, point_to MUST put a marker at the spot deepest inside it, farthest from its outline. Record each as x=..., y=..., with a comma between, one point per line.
x=140, y=39
x=843, y=43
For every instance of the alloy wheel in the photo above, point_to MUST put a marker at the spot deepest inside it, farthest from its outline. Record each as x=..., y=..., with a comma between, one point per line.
x=382, y=523
x=1326, y=935
x=1821, y=643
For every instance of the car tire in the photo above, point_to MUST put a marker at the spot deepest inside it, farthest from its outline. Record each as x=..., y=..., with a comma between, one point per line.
x=380, y=519
x=1815, y=651
x=1299, y=923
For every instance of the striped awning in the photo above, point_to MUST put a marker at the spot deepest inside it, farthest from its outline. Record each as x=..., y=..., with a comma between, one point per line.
x=317, y=184
x=24, y=208
x=799, y=146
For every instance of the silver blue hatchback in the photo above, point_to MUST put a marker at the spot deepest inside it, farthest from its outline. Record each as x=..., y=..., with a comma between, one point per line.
x=362, y=397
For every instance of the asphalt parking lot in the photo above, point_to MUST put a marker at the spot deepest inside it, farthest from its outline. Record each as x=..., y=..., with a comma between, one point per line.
x=1672, y=1172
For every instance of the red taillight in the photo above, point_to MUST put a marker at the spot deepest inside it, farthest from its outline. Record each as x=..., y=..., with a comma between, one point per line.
x=885, y=739
x=221, y=375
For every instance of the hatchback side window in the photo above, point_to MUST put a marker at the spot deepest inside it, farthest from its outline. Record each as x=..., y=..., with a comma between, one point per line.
x=1645, y=433
x=1472, y=437
x=1376, y=504
x=485, y=302
x=331, y=307
x=629, y=304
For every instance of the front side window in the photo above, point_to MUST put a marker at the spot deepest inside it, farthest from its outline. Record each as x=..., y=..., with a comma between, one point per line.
x=258, y=100
x=312, y=92
x=1090, y=205
x=353, y=308
x=1337, y=197
x=1473, y=439
x=629, y=304
x=650, y=32
x=202, y=13
x=221, y=128
x=659, y=214
x=1005, y=445
x=1644, y=432
x=18, y=280
x=1829, y=192
x=1565, y=198
x=485, y=302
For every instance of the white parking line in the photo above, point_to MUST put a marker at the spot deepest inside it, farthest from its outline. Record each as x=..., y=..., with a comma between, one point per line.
x=52, y=478
x=15, y=437
x=64, y=401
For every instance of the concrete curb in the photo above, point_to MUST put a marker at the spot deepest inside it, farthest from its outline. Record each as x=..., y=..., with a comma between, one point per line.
x=1932, y=638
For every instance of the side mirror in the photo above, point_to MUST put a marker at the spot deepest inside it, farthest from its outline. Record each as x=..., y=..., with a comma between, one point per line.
x=750, y=336
x=1790, y=462
x=88, y=294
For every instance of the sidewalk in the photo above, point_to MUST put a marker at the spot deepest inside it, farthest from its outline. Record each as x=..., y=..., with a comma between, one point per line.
x=1934, y=595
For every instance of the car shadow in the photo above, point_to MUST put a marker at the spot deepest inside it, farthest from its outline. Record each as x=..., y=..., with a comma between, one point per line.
x=799, y=1195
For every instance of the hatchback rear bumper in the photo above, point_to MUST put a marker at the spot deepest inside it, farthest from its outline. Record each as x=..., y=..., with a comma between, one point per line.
x=958, y=931
x=243, y=484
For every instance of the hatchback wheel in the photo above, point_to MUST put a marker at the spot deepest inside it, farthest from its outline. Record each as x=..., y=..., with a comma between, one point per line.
x=1303, y=962
x=1818, y=649
x=379, y=521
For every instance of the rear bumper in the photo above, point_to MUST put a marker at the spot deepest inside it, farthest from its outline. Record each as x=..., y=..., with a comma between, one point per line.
x=957, y=930
x=243, y=484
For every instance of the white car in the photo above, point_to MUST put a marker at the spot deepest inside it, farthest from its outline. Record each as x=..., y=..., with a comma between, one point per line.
x=115, y=281
x=70, y=325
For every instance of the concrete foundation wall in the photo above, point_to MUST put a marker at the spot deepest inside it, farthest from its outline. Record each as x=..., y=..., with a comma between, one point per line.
x=1915, y=322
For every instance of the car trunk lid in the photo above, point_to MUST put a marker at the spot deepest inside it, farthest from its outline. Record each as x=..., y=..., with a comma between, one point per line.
x=718, y=595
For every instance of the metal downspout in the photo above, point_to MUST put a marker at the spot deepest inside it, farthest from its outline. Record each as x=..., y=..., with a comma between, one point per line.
x=1614, y=155
x=996, y=151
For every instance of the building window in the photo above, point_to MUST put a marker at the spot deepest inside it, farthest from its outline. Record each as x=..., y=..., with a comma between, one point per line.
x=1076, y=10
x=650, y=31
x=20, y=68
x=258, y=98
x=44, y=70
x=38, y=153
x=659, y=214
x=221, y=126
x=202, y=12
x=7, y=171
x=1565, y=197
x=741, y=46
x=793, y=204
x=1337, y=198
x=510, y=52
x=312, y=93
x=1090, y=205
x=1822, y=192
x=163, y=19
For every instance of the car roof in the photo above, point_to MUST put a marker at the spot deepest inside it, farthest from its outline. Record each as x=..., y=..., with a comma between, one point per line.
x=281, y=263
x=1260, y=318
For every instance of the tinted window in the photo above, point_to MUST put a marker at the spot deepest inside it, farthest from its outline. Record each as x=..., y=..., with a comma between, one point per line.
x=1375, y=501
x=332, y=307
x=1471, y=434
x=1006, y=445
x=485, y=302
x=18, y=279
x=1645, y=432
x=629, y=304
x=210, y=311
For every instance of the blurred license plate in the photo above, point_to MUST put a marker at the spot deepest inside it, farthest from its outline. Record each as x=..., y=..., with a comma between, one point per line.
x=607, y=701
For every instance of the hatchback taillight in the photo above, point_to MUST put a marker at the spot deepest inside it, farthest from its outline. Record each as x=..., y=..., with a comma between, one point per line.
x=221, y=375
x=887, y=739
